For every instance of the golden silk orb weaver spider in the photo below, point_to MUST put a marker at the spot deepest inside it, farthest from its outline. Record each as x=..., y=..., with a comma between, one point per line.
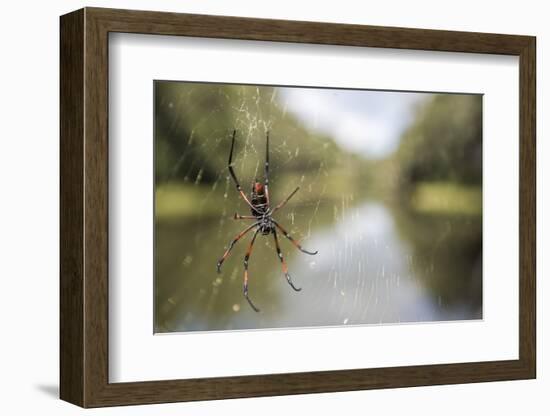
x=264, y=223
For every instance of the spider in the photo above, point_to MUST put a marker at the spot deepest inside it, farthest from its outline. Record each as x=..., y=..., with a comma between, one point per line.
x=262, y=214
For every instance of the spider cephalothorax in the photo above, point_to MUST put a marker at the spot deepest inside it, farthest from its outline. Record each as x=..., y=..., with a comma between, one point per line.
x=264, y=223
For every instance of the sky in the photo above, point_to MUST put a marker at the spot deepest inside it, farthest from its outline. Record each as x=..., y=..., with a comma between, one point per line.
x=362, y=121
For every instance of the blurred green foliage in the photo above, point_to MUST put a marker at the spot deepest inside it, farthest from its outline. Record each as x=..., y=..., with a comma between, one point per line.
x=431, y=185
x=444, y=143
x=193, y=124
x=436, y=177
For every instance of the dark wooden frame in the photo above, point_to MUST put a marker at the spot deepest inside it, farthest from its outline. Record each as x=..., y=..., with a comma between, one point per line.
x=84, y=207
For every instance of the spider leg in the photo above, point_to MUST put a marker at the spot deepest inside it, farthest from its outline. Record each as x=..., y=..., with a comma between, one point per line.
x=266, y=185
x=283, y=262
x=292, y=240
x=232, y=243
x=246, y=257
x=244, y=217
x=232, y=172
x=283, y=203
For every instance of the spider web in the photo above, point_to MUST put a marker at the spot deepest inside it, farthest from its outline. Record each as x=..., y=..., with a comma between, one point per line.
x=366, y=272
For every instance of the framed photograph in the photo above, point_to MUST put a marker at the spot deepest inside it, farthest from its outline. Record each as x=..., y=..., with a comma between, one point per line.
x=255, y=207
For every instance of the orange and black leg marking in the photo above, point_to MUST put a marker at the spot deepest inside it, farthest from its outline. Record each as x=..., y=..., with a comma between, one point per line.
x=244, y=217
x=233, y=242
x=232, y=172
x=266, y=183
x=283, y=203
x=283, y=262
x=246, y=257
x=292, y=240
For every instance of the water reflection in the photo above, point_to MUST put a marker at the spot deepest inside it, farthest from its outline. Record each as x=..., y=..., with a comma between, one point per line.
x=399, y=238
x=376, y=264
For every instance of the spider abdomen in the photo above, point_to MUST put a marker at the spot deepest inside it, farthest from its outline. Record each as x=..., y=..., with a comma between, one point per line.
x=258, y=199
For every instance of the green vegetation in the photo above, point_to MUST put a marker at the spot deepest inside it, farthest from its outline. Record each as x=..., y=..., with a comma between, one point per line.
x=194, y=121
x=446, y=198
x=193, y=126
x=444, y=143
x=436, y=182
x=430, y=186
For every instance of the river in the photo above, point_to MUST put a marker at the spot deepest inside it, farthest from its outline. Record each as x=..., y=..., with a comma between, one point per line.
x=377, y=264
